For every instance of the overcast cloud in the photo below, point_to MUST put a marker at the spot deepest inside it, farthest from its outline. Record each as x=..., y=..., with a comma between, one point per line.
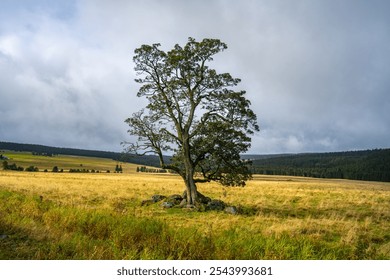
x=317, y=72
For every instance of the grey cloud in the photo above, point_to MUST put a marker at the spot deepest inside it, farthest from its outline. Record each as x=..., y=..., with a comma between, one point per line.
x=315, y=71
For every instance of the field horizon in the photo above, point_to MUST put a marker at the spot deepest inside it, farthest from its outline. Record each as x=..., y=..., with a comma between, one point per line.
x=366, y=165
x=48, y=215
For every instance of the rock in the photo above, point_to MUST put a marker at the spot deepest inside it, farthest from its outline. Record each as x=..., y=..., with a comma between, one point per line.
x=175, y=199
x=158, y=197
x=203, y=203
x=167, y=204
x=203, y=199
x=147, y=202
x=232, y=210
x=215, y=205
x=3, y=236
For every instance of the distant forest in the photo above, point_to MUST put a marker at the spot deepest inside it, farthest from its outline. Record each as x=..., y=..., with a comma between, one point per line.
x=369, y=165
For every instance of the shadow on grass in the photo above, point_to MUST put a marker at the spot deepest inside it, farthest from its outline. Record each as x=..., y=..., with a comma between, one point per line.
x=17, y=244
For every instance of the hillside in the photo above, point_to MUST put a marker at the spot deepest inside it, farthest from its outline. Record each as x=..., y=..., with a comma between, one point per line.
x=27, y=161
x=47, y=150
x=369, y=165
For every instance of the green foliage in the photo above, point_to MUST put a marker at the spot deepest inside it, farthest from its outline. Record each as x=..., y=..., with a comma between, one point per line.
x=74, y=170
x=13, y=166
x=118, y=168
x=150, y=170
x=32, y=168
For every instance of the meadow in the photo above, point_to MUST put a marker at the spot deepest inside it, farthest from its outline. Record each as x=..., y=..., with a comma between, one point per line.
x=65, y=162
x=45, y=215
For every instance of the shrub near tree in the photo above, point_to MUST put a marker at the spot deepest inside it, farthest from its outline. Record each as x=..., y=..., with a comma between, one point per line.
x=194, y=113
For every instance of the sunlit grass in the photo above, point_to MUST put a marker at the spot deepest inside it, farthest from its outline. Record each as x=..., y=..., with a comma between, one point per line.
x=98, y=216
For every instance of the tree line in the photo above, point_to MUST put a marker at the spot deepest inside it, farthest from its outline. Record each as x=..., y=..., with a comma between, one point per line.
x=32, y=168
x=14, y=167
x=369, y=165
x=151, y=170
x=148, y=160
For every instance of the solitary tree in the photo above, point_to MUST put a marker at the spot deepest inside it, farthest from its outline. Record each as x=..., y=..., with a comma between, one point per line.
x=194, y=113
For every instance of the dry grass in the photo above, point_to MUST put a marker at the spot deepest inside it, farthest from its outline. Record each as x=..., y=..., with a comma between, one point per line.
x=282, y=217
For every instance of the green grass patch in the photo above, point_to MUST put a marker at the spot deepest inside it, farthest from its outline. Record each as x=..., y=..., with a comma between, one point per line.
x=65, y=162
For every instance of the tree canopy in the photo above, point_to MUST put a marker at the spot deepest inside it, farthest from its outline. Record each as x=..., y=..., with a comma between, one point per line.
x=193, y=113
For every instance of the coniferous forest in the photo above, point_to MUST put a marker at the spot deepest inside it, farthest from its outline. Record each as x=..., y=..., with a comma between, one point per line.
x=369, y=165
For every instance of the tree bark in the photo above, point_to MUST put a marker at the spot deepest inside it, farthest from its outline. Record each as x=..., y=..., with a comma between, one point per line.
x=192, y=191
x=189, y=173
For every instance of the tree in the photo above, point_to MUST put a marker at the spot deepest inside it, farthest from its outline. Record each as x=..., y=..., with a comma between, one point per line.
x=118, y=168
x=32, y=168
x=5, y=165
x=194, y=113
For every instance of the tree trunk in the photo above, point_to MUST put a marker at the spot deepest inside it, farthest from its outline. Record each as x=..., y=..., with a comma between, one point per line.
x=189, y=174
x=191, y=191
x=190, y=184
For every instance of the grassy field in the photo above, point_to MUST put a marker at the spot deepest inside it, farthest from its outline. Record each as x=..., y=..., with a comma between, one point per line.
x=98, y=216
x=65, y=162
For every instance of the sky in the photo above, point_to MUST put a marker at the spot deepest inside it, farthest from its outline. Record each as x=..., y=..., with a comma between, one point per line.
x=317, y=72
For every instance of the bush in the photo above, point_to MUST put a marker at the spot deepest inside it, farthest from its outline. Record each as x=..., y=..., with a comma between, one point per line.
x=5, y=165
x=13, y=166
x=32, y=168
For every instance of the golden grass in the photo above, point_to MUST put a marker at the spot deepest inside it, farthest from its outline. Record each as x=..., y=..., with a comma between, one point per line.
x=328, y=213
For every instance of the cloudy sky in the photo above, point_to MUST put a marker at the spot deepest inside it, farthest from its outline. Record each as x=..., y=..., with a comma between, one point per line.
x=317, y=72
